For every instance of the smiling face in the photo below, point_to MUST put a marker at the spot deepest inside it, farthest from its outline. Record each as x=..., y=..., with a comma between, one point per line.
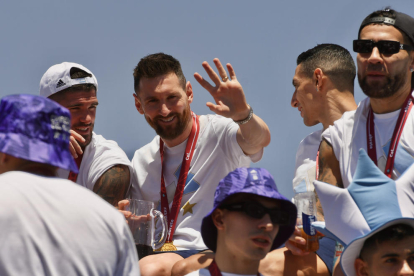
x=381, y=75
x=244, y=236
x=391, y=258
x=82, y=106
x=305, y=97
x=166, y=105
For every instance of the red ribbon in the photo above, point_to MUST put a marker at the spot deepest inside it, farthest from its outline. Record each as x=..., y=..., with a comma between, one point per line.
x=399, y=126
x=72, y=175
x=185, y=166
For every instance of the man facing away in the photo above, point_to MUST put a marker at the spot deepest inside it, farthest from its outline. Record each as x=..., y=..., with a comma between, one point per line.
x=49, y=225
x=383, y=123
x=249, y=218
x=324, y=85
x=103, y=166
x=179, y=170
x=324, y=90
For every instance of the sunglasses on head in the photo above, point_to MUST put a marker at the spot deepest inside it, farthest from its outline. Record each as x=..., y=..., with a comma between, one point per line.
x=386, y=47
x=257, y=211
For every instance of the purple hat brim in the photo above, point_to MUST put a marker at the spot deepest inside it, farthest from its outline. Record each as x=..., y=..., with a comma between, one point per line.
x=209, y=230
x=21, y=146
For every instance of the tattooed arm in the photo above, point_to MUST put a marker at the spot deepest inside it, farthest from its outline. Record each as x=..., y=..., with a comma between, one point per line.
x=113, y=184
x=329, y=172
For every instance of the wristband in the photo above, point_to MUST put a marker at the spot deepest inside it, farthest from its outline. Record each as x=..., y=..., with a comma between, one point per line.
x=249, y=117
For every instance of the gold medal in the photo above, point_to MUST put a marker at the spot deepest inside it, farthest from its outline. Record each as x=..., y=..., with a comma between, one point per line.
x=168, y=246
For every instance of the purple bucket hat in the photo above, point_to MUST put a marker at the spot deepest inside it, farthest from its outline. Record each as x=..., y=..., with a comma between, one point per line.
x=255, y=181
x=36, y=129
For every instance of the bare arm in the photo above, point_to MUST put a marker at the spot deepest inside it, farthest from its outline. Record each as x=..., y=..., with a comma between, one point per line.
x=230, y=102
x=329, y=172
x=113, y=184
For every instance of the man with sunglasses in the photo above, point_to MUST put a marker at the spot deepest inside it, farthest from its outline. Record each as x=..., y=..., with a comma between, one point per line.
x=382, y=123
x=249, y=218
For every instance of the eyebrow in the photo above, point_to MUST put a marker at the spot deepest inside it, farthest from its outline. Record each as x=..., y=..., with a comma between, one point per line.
x=79, y=104
x=390, y=255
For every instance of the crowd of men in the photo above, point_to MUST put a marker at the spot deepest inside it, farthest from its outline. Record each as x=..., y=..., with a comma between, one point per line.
x=223, y=218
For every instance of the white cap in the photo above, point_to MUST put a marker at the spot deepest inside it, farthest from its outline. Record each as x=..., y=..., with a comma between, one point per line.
x=57, y=78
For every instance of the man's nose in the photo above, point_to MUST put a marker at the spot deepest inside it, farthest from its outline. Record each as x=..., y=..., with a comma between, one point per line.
x=406, y=270
x=293, y=101
x=375, y=56
x=164, y=110
x=266, y=223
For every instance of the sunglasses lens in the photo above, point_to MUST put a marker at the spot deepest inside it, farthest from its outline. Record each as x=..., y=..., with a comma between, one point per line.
x=388, y=47
x=363, y=46
x=254, y=210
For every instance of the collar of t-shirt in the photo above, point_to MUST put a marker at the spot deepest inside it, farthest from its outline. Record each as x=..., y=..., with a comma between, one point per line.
x=385, y=124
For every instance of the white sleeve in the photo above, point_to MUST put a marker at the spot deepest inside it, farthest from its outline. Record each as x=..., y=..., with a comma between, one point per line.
x=128, y=258
x=227, y=129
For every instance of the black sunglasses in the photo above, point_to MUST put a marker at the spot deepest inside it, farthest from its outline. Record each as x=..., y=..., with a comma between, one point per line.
x=256, y=210
x=386, y=47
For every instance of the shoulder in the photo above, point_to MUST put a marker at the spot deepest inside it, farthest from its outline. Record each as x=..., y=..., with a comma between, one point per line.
x=148, y=152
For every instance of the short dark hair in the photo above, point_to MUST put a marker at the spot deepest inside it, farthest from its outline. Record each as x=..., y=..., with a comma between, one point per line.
x=335, y=61
x=395, y=232
x=156, y=65
x=388, y=12
x=75, y=73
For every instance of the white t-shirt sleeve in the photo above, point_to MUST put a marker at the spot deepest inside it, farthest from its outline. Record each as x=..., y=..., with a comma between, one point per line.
x=107, y=155
x=128, y=261
x=227, y=129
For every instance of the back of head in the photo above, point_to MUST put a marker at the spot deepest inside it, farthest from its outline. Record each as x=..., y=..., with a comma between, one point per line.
x=36, y=129
x=394, y=233
x=66, y=76
x=335, y=61
x=156, y=65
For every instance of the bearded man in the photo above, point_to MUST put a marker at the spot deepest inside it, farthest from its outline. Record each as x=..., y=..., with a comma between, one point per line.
x=180, y=169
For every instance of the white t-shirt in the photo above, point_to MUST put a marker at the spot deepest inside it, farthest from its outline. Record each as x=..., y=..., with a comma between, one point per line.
x=348, y=135
x=99, y=156
x=216, y=154
x=49, y=226
x=206, y=272
x=305, y=168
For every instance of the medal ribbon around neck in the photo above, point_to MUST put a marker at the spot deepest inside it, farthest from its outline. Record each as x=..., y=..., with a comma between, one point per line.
x=185, y=166
x=74, y=176
x=215, y=271
x=399, y=126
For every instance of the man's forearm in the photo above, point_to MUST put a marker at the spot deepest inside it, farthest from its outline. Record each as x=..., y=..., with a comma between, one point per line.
x=253, y=136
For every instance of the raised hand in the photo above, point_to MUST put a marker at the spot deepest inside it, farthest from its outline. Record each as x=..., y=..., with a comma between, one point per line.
x=227, y=92
x=74, y=146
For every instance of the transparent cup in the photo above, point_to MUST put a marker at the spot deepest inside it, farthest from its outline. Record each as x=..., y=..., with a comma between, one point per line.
x=141, y=222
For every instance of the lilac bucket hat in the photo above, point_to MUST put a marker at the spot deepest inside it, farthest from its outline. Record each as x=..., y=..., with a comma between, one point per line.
x=256, y=181
x=36, y=129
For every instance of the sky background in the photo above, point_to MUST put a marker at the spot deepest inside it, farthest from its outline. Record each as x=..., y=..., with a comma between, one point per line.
x=261, y=39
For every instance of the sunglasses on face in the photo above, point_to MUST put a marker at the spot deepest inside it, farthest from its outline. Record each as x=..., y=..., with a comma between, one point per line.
x=386, y=47
x=257, y=211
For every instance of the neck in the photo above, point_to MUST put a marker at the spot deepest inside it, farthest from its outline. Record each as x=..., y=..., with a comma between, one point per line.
x=390, y=104
x=336, y=104
x=182, y=137
x=235, y=263
x=37, y=168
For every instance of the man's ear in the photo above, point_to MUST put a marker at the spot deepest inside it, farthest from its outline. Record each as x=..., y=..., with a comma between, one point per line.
x=361, y=267
x=318, y=77
x=217, y=217
x=138, y=104
x=189, y=92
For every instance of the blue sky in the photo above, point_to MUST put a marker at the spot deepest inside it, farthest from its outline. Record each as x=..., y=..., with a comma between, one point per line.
x=261, y=39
